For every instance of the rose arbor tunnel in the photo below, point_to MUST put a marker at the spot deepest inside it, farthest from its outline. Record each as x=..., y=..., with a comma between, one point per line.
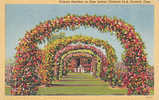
x=29, y=56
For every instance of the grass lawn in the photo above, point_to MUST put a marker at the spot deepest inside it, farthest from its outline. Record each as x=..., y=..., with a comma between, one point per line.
x=100, y=87
x=7, y=90
x=81, y=90
x=81, y=82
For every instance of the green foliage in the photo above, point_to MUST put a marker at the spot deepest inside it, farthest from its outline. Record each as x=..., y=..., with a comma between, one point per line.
x=56, y=36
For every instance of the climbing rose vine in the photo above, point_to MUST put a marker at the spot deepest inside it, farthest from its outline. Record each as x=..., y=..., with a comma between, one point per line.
x=28, y=57
x=53, y=47
x=104, y=62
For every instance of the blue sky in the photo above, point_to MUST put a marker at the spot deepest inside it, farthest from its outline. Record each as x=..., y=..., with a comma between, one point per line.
x=22, y=18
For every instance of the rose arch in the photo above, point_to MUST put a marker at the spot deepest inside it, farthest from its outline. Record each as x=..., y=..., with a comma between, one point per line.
x=68, y=48
x=98, y=59
x=94, y=60
x=59, y=45
x=28, y=55
x=46, y=79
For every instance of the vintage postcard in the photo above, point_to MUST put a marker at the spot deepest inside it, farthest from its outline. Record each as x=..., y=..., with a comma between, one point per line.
x=79, y=49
